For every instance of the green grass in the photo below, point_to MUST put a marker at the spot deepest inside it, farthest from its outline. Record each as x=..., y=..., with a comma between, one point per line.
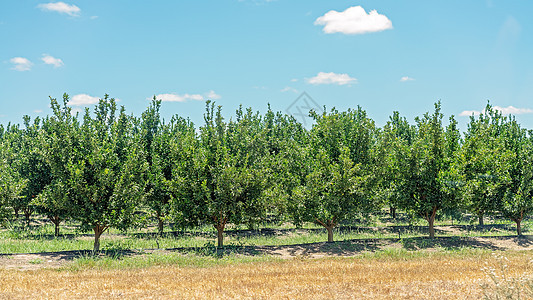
x=40, y=238
x=163, y=259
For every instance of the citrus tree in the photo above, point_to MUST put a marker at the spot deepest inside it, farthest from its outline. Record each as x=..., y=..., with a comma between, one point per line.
x=218, y=177
x=340, y=179
x=424, y=167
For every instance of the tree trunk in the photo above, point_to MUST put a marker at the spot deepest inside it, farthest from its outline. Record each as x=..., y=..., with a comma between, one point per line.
x=392, y=211
x=160, y=225
x=16, y=212
x=220, y=224
x=56, y=221
x=27, y=216
x=480, y=217
x=330, y=234
x=329, y=225
x=518, y=227
x=431, y=220
x=220, y=237
x=98, y=230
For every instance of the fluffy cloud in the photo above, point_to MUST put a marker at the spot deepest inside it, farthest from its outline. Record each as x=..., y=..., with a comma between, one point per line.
x=509, y=110
x=468, y=113
x=354, y=20
x=83, y=99
x=331, y=78
x=21, y=64
x=178, y=98
x=212, y=95
x=289, y=89
x=406, y=78
x=61, y=7
x=50, y=60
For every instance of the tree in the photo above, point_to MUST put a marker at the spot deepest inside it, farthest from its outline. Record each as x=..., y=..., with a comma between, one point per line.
x=11, y=183
x=424, y=165
x=103, y=171
x=215, y=179
x=60, y=147
x=155, y=139
x=286, y=160
x=396, y=136
x=517, y=201
x=482, y=164
x=340, y=182
x=32, y=165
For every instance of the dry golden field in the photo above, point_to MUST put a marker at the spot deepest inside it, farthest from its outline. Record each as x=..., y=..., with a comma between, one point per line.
x=442, y=276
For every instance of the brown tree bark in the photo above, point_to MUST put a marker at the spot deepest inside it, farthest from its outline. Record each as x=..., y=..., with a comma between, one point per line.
x=27, y=215
x=98, y=230
x=518, y=220
x=329, y=225
x=518, y=226
x=160, y=224
x=330, y=234
x=220, y=223
x=56, y=221
x=480, y=218
x=431, y=221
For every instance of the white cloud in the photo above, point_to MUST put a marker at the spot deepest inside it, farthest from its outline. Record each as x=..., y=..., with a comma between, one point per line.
x=38, y=111
x=83, y=99
x=50, y=60
x=289, y=89
x=509, y=110
x=406, y=78
x=331, y=78
x=212, y=95
x=468, y=113
x=94, y=17
x=354, y=20
x=513, y=110
x=21, y=64
x=294, y=79
x=61, y=7
x=76, y=110
x=178, y=98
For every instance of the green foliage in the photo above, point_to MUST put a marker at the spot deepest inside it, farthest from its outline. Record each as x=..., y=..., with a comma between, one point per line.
x=339, y=159
x=219, y=178
x=482, y=164
x=423, y=185
x=106, y=169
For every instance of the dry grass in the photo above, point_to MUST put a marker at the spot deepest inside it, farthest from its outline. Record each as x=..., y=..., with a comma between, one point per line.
x=439, y=277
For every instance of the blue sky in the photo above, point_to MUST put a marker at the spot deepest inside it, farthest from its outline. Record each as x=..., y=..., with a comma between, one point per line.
x=380, y=55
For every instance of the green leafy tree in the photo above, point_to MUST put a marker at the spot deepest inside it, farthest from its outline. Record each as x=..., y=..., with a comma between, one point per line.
x=341, y=181
x=482, y=164
x=103, y=171
x=155, y=140
x=424, y=167
x=397, y=136
x=517, y=201
x=287, y=164
x=216, y=179
x=61, y=148
x=32, y=166
x=11, y=184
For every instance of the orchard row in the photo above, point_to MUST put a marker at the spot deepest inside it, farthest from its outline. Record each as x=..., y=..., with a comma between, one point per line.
x=110, y=169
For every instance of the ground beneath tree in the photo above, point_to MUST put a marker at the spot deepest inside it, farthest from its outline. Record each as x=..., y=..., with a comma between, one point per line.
x=53, y=260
